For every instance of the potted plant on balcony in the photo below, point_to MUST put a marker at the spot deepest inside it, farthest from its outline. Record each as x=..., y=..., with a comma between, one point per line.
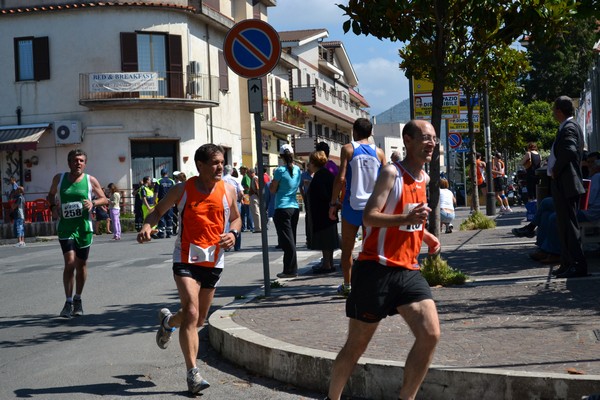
x=293, y=112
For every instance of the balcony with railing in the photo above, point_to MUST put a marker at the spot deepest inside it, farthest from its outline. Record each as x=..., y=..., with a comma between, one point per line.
x=328, y=103
x=164, y=90
x=284, y=116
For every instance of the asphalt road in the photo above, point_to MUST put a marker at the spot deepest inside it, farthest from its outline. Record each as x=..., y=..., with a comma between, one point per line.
x=111, y=352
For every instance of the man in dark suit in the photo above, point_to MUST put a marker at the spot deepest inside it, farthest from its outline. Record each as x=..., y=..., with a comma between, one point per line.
x=564, y=166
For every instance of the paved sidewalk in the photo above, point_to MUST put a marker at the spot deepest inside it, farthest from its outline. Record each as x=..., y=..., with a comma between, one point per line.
x=511, y=319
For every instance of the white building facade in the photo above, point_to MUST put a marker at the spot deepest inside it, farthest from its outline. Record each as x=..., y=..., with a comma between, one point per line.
x=139, y=86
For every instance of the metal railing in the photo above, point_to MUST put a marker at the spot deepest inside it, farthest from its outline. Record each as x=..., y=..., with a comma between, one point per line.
x=171, y=85
x=334, y=100
x=280, y=110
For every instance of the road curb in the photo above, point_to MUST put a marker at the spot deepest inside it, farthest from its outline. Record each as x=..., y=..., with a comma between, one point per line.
x=374, y=378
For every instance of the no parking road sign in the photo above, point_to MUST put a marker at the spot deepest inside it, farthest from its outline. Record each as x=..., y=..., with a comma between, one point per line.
x=454, y=140
x=252, y=48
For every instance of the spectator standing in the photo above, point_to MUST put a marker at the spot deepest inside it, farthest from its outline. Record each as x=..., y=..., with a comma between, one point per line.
x=386, y=279
x=239, y=190
x=480, y=172
x=285, y=183
x=137, y=205
x=360, y=162
x=305, y=178
x=161, y=188
x=70, y=195
x=247, y=224
x=12, y=186
x=564, y=166
x=114, y=207
x=207, y=204
x=447, y=204
x=102, y=218
x=325, y=232
x=254, y=192
x=531, y=161
x=331, y=166
x=147, y=196
x=18, y=207
x=498, y=175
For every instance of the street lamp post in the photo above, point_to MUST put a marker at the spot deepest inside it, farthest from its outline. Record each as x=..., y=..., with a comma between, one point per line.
x=490, y=201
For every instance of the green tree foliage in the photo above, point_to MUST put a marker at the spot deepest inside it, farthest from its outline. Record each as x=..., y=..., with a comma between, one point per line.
x=432, y=30
x=514, y=123
x=561, y=60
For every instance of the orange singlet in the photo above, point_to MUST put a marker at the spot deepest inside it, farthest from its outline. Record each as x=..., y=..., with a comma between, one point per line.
x=398, y=246
x=203, y=217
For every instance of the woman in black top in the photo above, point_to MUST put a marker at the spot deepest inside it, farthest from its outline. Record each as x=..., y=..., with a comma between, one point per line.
x=531, y=161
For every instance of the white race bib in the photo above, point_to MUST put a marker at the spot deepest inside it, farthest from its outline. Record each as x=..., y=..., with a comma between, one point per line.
x=72, y=210
x=197, y=254
x=410, y=228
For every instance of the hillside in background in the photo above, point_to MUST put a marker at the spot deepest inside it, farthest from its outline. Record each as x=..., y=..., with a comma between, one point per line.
x=399, y=113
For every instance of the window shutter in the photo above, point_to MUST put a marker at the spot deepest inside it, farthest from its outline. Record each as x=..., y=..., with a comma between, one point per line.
x=41, y=58
x=214, y=4
x=17, y=66
x=175, y=67
x=223, y=73
x=129, y=55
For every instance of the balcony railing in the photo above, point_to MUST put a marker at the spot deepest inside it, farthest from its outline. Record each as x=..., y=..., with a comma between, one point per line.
x=176, y=88
x=315, y=96
x=287, y=111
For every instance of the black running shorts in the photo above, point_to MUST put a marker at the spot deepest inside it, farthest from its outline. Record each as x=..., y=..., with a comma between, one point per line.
x=70, y=245
x=205, y=276
x=377, y=290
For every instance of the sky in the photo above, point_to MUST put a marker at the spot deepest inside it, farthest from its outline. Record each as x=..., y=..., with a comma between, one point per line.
x=380, y=80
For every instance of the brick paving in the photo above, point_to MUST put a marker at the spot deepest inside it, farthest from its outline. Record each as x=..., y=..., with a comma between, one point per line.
x=512, y=315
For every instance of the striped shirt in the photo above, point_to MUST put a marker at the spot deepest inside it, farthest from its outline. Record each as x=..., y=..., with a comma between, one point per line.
x=398, y=246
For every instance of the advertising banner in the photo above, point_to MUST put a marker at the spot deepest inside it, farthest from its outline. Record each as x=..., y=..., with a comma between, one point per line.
x=423, y=101
x=123, y=82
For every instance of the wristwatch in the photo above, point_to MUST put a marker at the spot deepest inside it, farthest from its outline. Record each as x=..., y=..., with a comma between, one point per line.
x=235, y=232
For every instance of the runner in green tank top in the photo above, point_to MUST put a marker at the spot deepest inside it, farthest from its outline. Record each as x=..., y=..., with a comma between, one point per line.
x=70, y=199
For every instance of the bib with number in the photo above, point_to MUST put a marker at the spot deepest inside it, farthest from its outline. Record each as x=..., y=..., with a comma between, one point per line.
x=72, y=210
x=410, y=228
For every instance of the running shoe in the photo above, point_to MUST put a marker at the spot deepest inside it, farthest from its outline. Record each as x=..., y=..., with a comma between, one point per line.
x=67, y=310
x=195, y=382
x=344, y=290
x=77, y=308
x=163, y=336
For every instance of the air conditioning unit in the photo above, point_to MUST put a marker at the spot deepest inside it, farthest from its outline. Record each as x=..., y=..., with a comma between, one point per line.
x=194, y=89
x=194, y=68
x=67, y=132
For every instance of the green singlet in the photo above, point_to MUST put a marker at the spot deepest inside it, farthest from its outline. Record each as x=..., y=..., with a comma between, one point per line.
x=75, y=220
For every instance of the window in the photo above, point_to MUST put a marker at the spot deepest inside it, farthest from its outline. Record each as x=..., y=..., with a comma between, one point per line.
x=223, y=73
x=32, y=59
x=155, y=52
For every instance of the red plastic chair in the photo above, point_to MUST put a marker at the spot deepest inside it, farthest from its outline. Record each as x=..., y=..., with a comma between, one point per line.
x=41, y=208
x=29, y=206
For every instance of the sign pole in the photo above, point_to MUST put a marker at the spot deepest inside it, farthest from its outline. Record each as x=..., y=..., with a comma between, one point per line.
x=261, y=202
x=252, y=49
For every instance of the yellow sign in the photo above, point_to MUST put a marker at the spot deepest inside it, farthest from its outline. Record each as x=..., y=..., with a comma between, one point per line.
x=461, y=125
x=423, y=101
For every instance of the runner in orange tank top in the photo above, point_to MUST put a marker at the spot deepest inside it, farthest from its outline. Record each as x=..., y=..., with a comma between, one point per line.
x=205, y=206
x=386, y=279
